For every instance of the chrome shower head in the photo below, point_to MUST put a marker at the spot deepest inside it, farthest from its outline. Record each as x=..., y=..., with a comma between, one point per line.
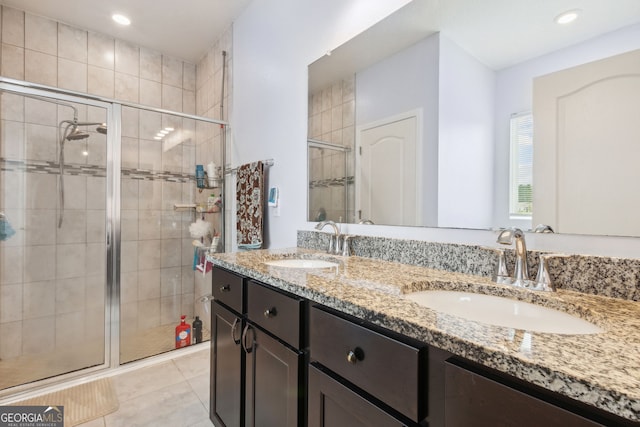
x=76, y=134
x=102, y=128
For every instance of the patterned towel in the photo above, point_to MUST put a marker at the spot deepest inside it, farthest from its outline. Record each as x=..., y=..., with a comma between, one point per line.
x=249, y=198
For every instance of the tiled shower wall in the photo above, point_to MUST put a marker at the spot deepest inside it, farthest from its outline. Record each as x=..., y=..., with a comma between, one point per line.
x=332, y=119
x=157, y=280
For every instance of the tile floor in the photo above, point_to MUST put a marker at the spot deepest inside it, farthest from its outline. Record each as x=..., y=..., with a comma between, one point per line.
x=173, y=393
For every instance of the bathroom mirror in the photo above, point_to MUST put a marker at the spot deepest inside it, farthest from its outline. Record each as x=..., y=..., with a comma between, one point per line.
x=424, y=107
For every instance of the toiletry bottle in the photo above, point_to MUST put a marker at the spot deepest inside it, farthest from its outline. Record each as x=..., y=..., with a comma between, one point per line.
x=211, y=203
x=197, y=330
x=200, y=181
x=183, y=333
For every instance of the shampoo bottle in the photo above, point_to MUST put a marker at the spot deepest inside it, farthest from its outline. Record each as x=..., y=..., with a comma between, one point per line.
x=197, y=330
x=183, y=333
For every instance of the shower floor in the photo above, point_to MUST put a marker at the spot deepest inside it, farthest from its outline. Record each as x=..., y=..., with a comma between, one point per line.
x=151, y=342
x=33, y=367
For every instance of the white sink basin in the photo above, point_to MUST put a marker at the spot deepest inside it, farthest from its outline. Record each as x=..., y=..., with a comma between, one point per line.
x=505, y=312
x=302, y=263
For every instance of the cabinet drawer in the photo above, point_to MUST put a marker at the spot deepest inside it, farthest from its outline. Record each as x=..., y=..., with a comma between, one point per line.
x=276, y=312
x=228, y=288
x=389, y=370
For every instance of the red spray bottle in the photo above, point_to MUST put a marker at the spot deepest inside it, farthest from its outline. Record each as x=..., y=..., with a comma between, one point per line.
x=183, y=333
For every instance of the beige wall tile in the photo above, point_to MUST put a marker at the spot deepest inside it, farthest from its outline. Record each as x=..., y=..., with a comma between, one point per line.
x=72, y=43
x=148, y=283
x=12, y=26
x=150, y=154
x=149, y=226
x=96, y=193
x=37, y=299
x=72, y=75
x=38, y=335
x=69, y=295
x=150, y=65
x=189, y=76
x=129, y=287
x=126, y=87
x=101, y=50
x=12, y=61
x=150, y=93
x=129, y=151
x=171, y=71
x=69, y=328
x=71, y=261
x=40, y=227
x=41, y=34
x=171, y=98
x=127, y=58
x=45, y=258
x=171, y=253
x=10, y=339
x=40, y=68
x=10, y=303
x=129, y=256
x=100, y=81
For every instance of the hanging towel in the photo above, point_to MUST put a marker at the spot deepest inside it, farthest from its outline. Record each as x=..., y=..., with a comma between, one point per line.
x=250, y=203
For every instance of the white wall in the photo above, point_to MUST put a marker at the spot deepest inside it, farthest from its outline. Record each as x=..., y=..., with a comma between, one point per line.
x=274, y=41
x=407, y=81
x=465, y=153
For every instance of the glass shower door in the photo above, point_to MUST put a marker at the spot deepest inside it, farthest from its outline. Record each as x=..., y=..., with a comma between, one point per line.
x=53, y=249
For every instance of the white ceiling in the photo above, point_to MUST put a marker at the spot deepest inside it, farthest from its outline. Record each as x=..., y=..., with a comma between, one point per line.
x=499, y=33
x=183, y=29
x=510, y=30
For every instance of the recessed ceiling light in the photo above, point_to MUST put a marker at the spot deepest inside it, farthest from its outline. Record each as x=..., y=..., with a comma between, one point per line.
x=157, y=138
x=567, y=17
x=121, y=19
x=169, y=129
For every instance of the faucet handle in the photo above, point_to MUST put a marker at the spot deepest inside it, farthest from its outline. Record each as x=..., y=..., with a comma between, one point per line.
x=500, y=272
x=346, y=245
x=543, y=279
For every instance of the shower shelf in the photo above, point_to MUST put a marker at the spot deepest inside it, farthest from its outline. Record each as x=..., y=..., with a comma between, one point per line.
x=197, y=208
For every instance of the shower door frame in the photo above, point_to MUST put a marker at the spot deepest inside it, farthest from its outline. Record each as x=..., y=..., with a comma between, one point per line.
x=56, y=96
x=113, y=210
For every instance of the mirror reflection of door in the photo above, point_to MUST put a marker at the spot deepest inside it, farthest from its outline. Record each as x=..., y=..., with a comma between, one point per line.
x=386, y=186
x=587, y=119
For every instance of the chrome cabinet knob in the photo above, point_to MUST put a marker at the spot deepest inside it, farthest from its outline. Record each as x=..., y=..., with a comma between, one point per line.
x=351, y=357
x=225, y=288
x=270, y=312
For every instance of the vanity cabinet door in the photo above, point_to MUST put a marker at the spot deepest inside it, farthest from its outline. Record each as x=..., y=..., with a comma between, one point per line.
x=475, y=400
x=333, y=404
x=227, y=368
x=274, y=387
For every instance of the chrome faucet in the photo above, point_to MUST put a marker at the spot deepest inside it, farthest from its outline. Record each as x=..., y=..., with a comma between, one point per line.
x=334, y=240
x=521, y=272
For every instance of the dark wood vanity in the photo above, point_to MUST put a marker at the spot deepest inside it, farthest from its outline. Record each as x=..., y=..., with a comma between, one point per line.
x=280, y=360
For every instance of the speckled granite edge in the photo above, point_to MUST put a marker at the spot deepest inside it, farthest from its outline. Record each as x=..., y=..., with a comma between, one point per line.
x=605, y=276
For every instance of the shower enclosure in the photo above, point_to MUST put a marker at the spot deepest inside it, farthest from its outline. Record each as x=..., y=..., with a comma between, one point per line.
x=100, y=266
x=331, y=185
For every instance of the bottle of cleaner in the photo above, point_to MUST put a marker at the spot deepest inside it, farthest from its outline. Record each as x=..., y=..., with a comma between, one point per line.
x=183, y=333
x=197, y=330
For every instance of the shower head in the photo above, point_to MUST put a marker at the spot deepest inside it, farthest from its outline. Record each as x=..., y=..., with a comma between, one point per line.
x=102, y=128
x=76, y=134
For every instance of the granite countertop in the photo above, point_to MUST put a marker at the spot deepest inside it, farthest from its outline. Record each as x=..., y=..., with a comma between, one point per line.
x=602, y=370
